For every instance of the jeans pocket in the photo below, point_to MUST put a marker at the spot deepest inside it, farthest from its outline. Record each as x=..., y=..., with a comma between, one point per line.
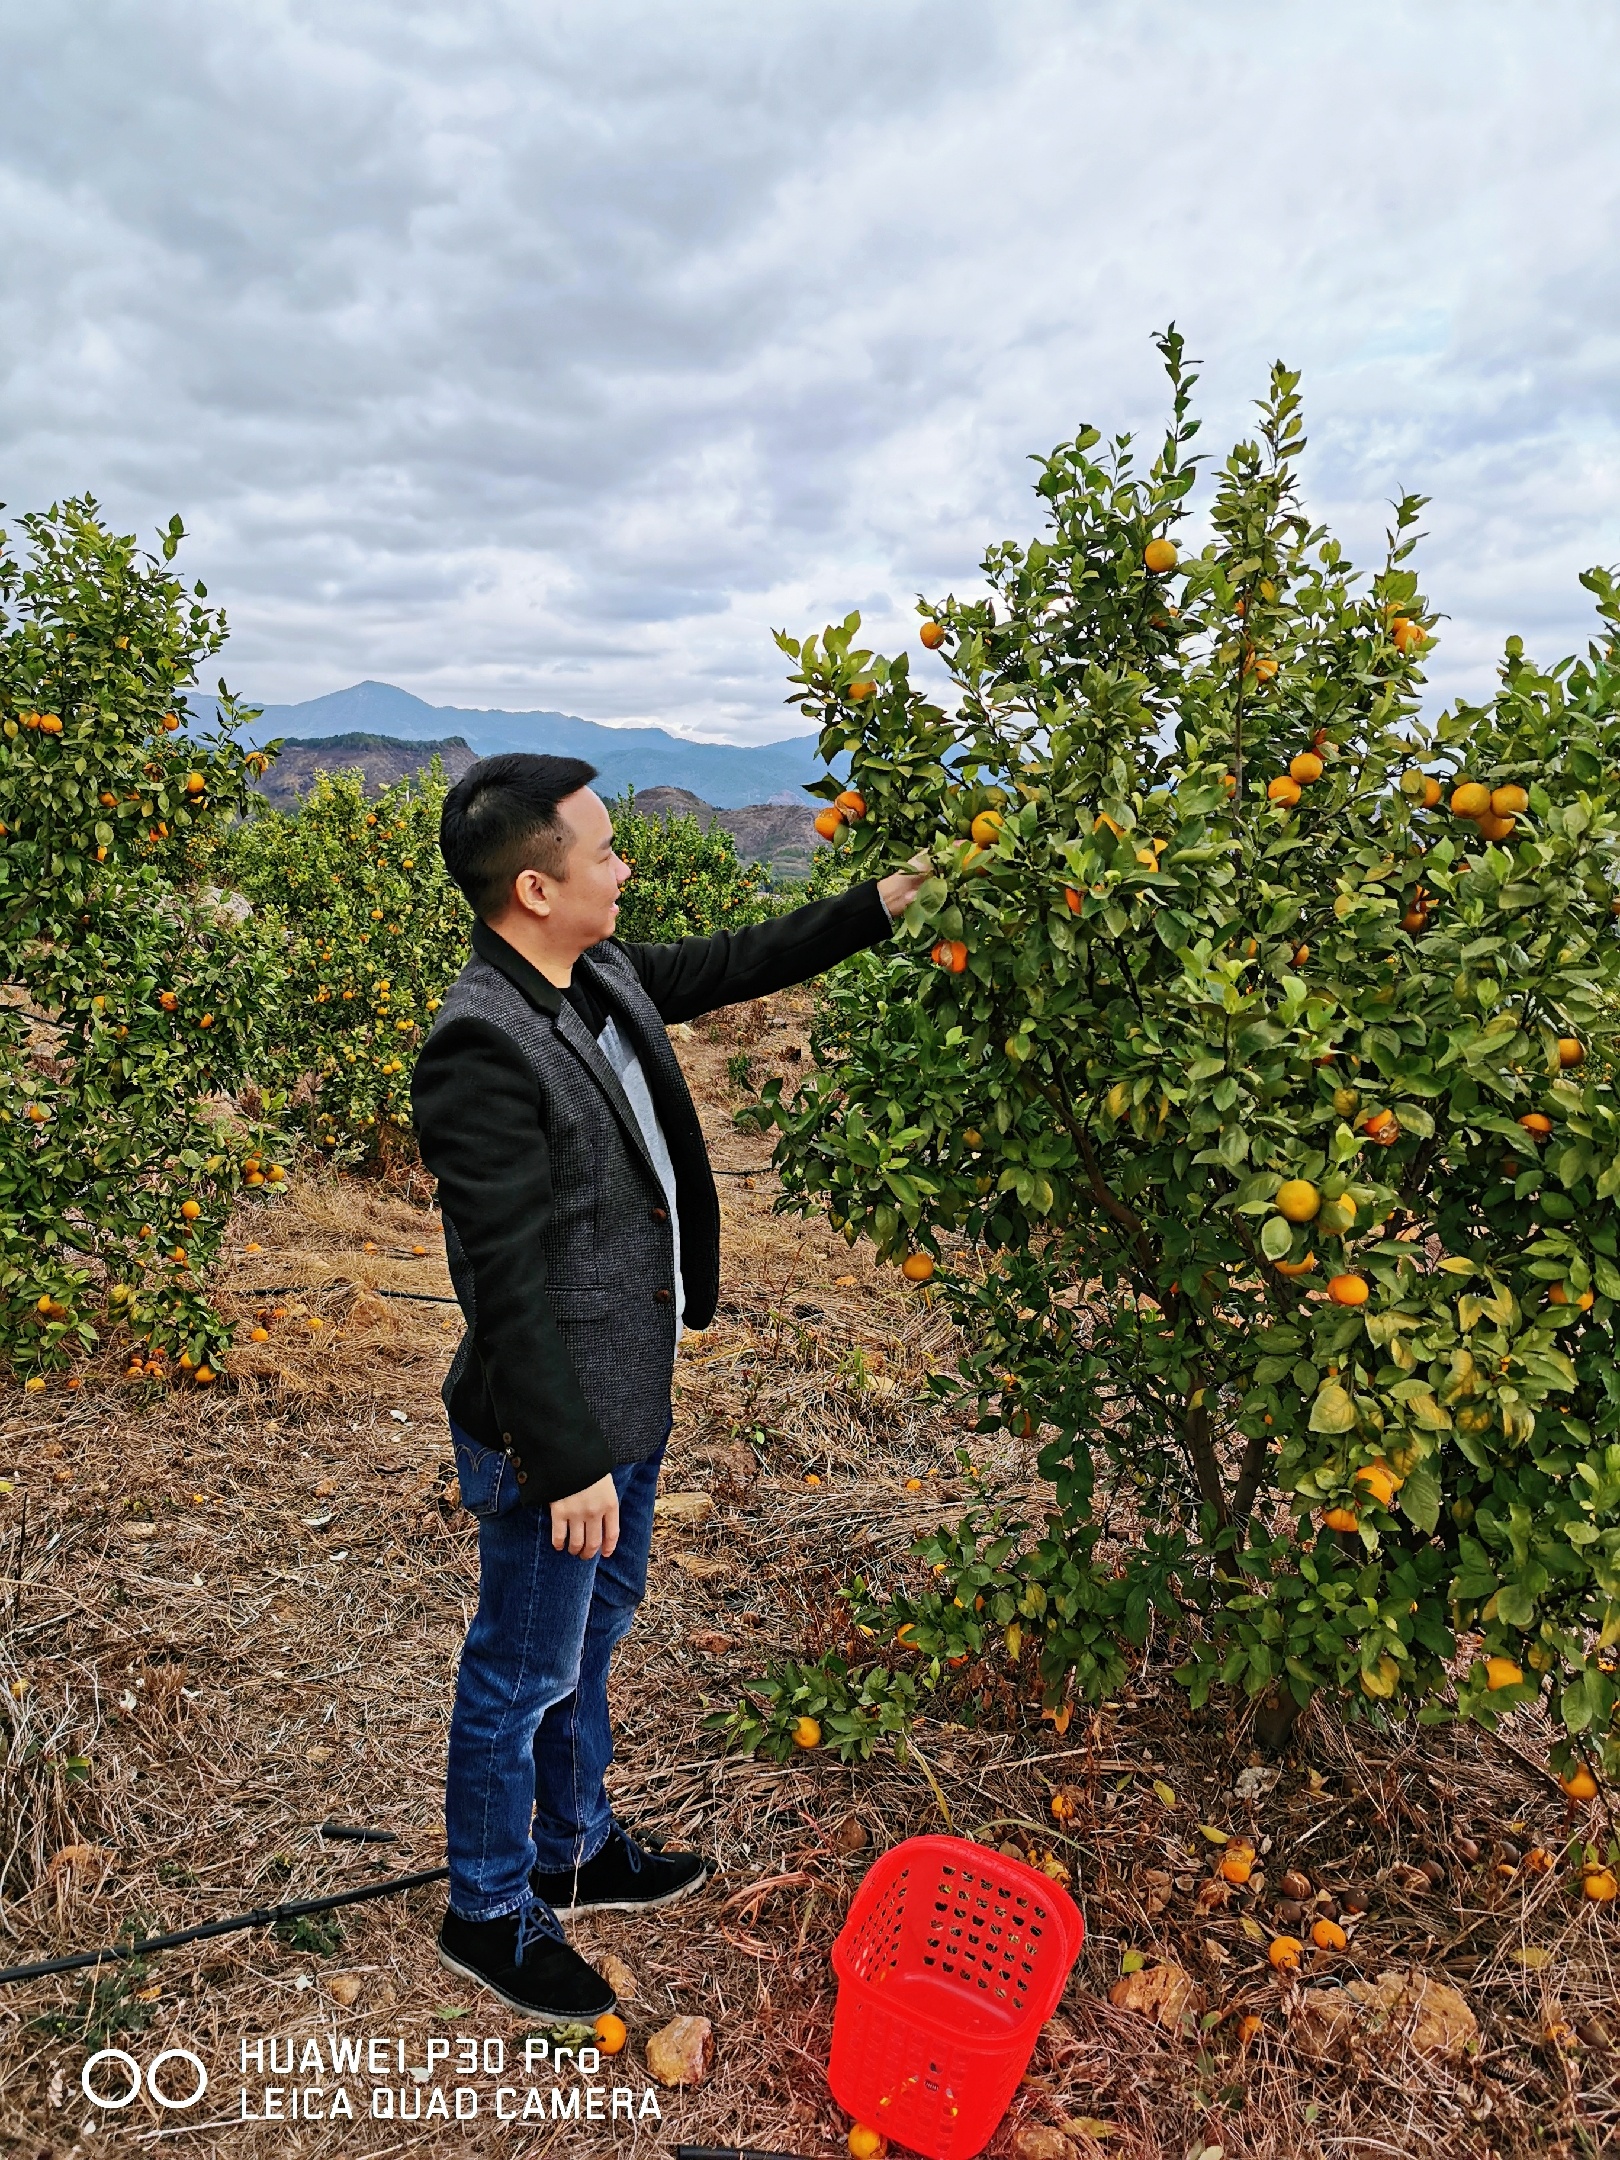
x=479, y=1471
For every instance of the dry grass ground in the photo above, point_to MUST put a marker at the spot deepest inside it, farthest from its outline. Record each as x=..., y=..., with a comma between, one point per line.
x=231, y=1618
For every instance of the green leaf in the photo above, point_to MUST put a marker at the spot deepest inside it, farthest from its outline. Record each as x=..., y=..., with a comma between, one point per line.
x=1333, y=1411
x=1276, y=1238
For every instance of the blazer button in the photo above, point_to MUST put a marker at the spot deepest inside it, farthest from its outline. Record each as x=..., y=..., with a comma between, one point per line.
x=506, y=1439
x=662, y=1297
x=523, y=1477
x=660, y=1214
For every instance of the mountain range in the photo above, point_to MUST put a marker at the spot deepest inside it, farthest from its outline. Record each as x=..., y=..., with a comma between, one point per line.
x=727, y=775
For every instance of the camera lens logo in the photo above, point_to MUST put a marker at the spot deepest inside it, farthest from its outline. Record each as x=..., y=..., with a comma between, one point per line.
x=108, y=2065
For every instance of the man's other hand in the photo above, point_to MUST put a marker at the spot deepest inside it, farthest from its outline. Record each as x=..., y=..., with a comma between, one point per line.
x=900, y=888
x=587, y=1522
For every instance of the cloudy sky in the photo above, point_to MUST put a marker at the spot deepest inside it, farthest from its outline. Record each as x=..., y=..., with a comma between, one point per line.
x=529, y=354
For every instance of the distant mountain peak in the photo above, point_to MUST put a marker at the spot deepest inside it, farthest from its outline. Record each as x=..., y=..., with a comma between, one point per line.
x=728, y=775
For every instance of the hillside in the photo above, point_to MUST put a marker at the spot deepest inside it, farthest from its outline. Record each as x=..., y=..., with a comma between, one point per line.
x=780, y=835
x=382, y=758
x=727, y=774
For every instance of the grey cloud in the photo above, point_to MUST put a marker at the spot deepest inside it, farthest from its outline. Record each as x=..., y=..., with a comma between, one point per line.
x=540, y=355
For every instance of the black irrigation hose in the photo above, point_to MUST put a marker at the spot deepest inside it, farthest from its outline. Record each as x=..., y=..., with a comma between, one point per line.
x=298, y=1289
x=261, y=1916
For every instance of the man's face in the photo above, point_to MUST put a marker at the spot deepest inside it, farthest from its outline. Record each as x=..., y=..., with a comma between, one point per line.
x=582, y=907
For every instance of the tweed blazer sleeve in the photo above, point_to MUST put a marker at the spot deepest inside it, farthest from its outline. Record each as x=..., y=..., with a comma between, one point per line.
x=478, y=1123
x=695, y=975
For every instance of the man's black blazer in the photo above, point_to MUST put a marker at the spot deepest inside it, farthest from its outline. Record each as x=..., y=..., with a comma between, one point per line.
x=570, y=1324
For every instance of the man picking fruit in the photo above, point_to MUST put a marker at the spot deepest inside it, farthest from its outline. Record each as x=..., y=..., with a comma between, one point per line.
x=582, y=1231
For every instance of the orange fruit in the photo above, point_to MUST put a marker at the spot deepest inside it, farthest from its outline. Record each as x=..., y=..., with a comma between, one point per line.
x=1159, y=556
x=1348, y=1289
x=1501, y=1672
x=1283, y=790
x=1101, y=819
x=828, y=823
x=1492, y=827
x=1378, y=1479
x=1407, y=634
x=1508, y=801
x=190, y=1210
x=932, y=635
x=1580, y=1784
x=611, y=2033
x=1328, y=1935
x=170, y=722
x=852, y=805
x=1415, y=920
x=1236, y=1863
x=1301, y=954
x=1229, y=782
x=985, y=827
x=168, y=1000
x=259, y=1334
x=1297, y=1200
x=1249, y=2028
x=1285, y=1952
x=866, y=2144
x=1570, y=1050
x=1072, y=900
x=1431, y=791
x=1306, y=767
x=1265, y=668
x=806, y=1732
x=1307, y=1266
x=1340, y=1518
x=917, y=1267
x=861, y=689
x=1599, y=1885
x=1535, y=1122
x=950, y=953
x=195, y=783
x=1470, y=800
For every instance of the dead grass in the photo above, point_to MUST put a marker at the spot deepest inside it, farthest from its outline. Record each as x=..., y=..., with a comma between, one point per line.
x=234, y=1617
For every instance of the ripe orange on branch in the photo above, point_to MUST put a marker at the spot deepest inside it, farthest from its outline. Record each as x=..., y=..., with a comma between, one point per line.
x=1298, y=1200
x=951, y=954
x=828, y=823
x=986, y=827
x=1160, y=556
x=1508, y=801
x=1342, y=1519
x=1470, y=800
x=1348, y=1289
x=1284, y=790
x=852, y=805
x=1570, y=1050
x=1537, y=1122
x=1306, y=767
x=917, y=1267
x=932, y=635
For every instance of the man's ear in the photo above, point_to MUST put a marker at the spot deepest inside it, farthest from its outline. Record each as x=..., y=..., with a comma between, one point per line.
x=529, y=893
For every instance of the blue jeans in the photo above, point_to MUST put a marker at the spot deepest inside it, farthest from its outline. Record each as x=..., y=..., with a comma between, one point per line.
x=529, y=1734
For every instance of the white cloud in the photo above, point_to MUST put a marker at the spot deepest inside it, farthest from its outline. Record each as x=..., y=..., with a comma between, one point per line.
x=527, y=354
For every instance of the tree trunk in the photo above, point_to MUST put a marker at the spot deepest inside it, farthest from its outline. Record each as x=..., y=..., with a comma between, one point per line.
x=1274, y=1719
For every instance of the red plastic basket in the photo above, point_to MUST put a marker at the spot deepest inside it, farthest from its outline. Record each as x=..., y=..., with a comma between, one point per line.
x=951, y=1960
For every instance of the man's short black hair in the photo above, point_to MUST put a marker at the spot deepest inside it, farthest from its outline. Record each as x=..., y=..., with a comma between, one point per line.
x=501, y=817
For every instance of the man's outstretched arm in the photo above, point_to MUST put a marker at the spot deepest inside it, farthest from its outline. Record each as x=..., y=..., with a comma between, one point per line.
x=696, y=975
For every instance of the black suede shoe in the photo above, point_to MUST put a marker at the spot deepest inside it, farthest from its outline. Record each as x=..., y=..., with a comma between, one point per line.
x=525, y=1961
x=622, y=1877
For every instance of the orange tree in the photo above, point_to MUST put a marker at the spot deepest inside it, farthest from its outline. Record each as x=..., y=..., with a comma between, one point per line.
x=130, y=1005
x=352, y=907
x=1254, y=1040
x=688, y=881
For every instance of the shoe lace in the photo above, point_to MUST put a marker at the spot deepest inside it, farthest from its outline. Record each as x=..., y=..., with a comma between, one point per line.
x=632, y=1851
x=536, y=1923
